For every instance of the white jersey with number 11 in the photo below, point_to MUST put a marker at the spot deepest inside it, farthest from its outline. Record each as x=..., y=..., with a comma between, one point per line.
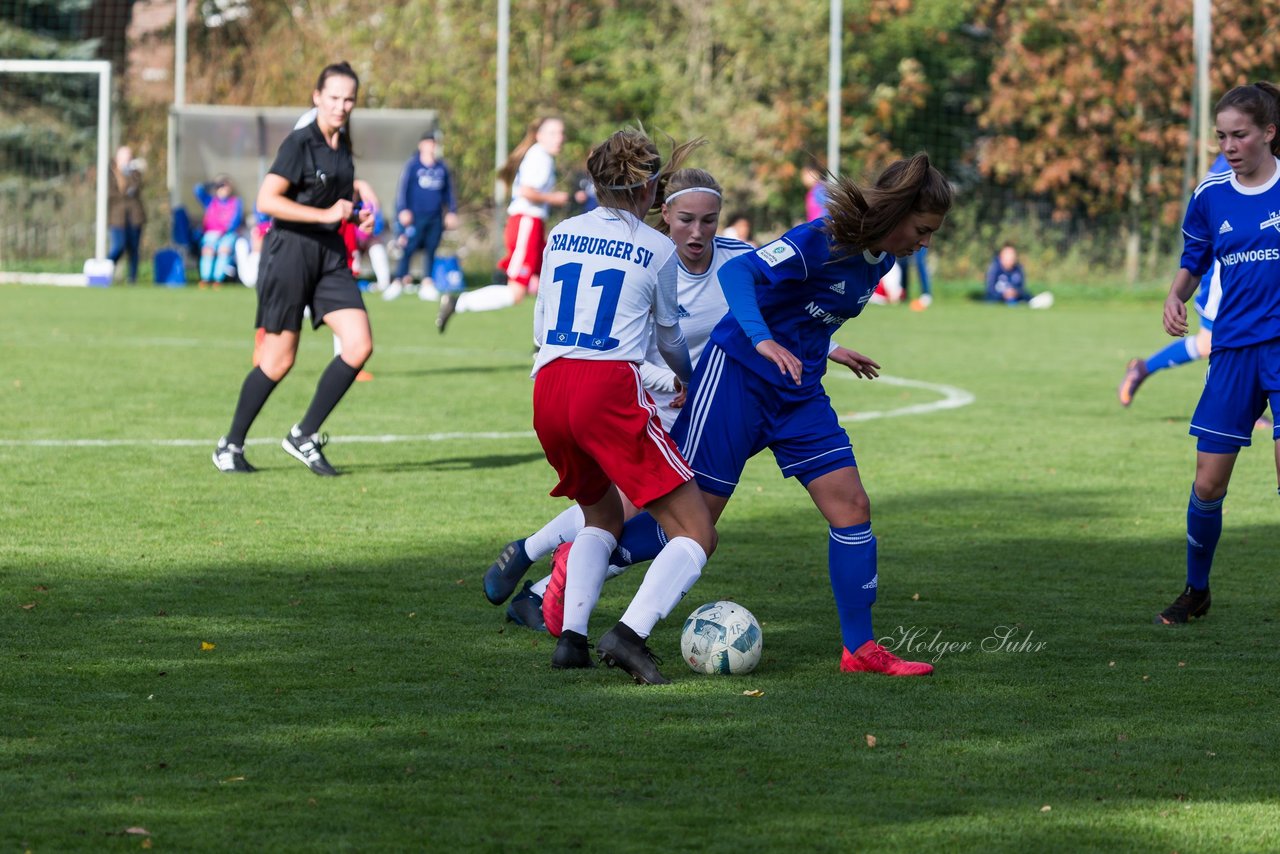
x=603, y=273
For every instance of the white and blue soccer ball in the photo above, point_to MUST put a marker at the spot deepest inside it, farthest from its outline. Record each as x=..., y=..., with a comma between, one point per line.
x=721, y=637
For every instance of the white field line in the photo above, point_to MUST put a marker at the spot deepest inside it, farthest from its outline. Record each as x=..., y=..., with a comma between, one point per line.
x=952, y=398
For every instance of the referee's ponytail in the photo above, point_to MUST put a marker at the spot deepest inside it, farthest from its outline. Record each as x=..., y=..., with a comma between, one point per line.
x=1260, y=102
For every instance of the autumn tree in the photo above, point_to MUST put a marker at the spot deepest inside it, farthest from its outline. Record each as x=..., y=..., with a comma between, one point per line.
x=1089, y=104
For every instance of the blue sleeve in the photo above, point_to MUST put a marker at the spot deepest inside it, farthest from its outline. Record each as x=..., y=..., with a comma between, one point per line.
x=402, y=187
x=203, y=195
x=451, y=204
x=789, y=258
x=238, y=219
x=993, y=277
x=739, y=279
x=1197, y=247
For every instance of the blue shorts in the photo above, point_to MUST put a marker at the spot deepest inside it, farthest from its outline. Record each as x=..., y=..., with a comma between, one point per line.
x=1237, y=387
x=732, y=414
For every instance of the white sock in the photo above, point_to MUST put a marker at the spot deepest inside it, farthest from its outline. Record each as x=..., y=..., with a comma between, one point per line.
x=615, y=571
x=670, y=576
x=584, y=576
x=337, y=346
x=380, y=263
x=488, y=298
x=561, y=529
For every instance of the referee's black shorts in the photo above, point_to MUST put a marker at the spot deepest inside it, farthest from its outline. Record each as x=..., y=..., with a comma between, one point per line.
x=300, y=270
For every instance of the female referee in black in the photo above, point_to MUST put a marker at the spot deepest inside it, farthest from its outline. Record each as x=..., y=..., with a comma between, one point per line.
x=308, y=192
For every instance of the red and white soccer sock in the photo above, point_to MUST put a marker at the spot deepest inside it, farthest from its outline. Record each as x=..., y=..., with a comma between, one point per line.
x=669, y=577
x=584, y=576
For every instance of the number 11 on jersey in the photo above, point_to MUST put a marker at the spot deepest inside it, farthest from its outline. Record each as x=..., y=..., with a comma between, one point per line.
x=610, y=283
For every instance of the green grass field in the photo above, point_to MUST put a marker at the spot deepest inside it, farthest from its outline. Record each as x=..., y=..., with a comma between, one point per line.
x=198, y=662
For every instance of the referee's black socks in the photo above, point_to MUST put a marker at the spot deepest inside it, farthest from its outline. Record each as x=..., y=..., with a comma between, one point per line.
x=334, y=382
x=253, y=396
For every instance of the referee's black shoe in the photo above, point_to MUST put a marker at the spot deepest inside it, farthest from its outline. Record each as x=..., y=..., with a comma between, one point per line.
x=229, y=459
x=622, y=647
x=306, y=449
x=448, y=305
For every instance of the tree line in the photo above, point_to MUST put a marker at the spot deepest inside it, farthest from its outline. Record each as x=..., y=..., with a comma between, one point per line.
x=1060, y=120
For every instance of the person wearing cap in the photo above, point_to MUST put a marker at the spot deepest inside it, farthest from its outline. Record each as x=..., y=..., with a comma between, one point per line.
x=425, y=207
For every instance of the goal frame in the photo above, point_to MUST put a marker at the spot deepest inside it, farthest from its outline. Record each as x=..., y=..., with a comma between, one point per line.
x=102, y=68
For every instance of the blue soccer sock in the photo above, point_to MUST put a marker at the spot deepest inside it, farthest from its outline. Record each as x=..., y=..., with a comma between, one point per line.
x=851, y=560
x=1204, y=527
x=1180, y=352
x=206, y=268
x=642, y=539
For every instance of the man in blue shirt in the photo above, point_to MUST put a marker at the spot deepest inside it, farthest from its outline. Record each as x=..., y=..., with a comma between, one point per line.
x=425, y=207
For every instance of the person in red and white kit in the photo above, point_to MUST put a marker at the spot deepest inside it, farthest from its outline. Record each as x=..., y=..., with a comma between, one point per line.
x=607, y=274
x=530, y=173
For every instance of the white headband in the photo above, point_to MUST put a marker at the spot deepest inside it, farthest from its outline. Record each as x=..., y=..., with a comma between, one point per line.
x=677, y=193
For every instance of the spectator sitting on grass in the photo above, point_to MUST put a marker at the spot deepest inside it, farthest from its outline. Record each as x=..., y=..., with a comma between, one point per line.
x=1007, y=282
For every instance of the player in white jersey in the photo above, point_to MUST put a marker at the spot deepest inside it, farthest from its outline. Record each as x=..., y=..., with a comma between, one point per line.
x=606, y=274
x=530, y=172
x=690, y=215
x=1231, y=220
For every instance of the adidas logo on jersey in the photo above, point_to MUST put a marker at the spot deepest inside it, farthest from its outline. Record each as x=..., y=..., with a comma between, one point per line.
x=1226, y=228
x=872, y=584
x=682, y=312
x=838, y=287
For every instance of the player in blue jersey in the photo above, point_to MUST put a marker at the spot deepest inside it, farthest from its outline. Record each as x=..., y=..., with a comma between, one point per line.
x=1187, y=350
x=1232, y=219
x=689, y=202
x=759, y=382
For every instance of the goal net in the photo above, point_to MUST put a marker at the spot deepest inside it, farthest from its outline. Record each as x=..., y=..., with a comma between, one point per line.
x=53, y=167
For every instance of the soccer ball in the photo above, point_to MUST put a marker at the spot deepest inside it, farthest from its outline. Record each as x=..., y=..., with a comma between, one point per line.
x=721, y=637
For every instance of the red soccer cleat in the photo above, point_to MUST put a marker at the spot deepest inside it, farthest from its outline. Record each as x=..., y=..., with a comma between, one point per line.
x=553, y=598
x=871, y=657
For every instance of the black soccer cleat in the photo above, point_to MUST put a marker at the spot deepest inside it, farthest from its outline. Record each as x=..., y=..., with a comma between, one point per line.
x=448, y=305
x=502, y=576
x=1191, y=605
x=229, y=459
x=572, y=652
x=307, y=450
x=622, y=647
x=526, y=609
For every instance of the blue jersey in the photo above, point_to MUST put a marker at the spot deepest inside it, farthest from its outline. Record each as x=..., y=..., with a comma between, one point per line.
x=1239, y=228
x=426, y=190
x=808, y=295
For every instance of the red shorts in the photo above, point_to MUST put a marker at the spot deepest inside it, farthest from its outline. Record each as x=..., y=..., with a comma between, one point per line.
x=599, y=426
x=526, y=238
